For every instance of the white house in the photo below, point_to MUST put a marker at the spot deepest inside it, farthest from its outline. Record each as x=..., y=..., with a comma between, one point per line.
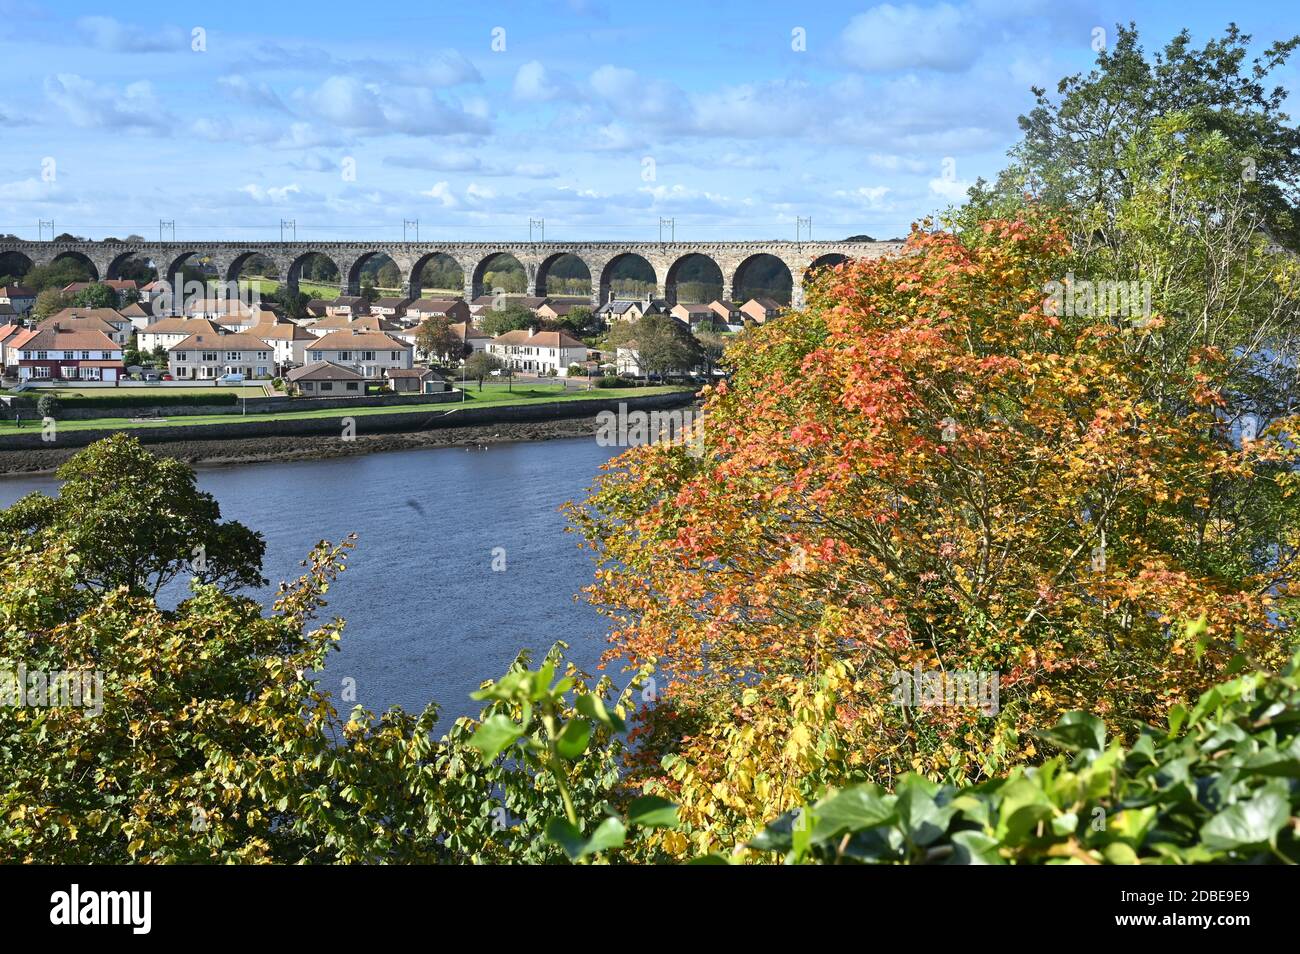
x=370, y=352
x=172, y=331
x=541, y=353
x=203, y=357
x=20, y=297
x=288, y=341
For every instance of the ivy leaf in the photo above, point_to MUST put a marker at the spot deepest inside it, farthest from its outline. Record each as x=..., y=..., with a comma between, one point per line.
x=1248, y=824
x=974, y=848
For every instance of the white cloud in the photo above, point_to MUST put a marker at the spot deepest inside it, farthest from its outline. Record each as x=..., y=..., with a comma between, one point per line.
x=533, y=83
x=91, y=105
x=25, y=190
x=442, y=192
x=274, y=194
x=105, y=33
x=251, y=93
x=888, y=38
x=954, y=190
x=350, y=103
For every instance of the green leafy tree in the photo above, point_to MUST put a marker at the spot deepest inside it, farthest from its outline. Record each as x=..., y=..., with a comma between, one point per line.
x=480, y=365
x=96, y=296
x=436, y=339
x=137, y=521
x=1073, y=147
x=512, y=317
x=50, y=302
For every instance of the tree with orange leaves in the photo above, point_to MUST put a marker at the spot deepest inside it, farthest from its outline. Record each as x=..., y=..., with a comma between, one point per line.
x=932, y=471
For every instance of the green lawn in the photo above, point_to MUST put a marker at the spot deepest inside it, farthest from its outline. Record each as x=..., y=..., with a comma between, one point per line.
x=495, y=396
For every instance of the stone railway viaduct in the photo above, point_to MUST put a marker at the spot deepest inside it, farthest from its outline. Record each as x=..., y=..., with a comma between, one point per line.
x=537, y=258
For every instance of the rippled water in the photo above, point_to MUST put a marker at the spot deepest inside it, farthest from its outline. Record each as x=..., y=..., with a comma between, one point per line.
x=427, y=617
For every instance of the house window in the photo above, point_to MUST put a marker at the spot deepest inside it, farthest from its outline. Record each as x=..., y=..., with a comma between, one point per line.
x=209, y=356
x=397, y=355
x=40, y=356
x=85, y=356
x=352, y=385
x=182, y=356
x=41, y=371
x=69, y=355
x=327, y=385
x=367, y=356
x=233, y=355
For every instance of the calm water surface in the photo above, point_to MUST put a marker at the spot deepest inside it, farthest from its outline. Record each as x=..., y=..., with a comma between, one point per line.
x=427, y=617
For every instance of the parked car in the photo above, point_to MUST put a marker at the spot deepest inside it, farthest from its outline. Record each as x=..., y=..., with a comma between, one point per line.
x=168, y=377
x=230, y=379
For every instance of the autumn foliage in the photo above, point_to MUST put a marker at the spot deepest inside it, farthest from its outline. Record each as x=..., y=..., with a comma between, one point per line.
x=928, y=468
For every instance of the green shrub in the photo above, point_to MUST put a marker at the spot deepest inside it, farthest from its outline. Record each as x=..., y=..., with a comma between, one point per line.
x=47, y=405
x=613, y=381
x=1217, y=786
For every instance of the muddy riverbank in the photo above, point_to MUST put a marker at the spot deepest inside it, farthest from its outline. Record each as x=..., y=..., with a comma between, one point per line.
x=313, y=447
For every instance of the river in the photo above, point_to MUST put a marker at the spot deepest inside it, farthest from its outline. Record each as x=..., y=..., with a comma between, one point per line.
x=427, y=616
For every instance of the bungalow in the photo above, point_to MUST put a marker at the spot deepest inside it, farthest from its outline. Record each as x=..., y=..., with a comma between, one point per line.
x=490, y=302
x=554, y=310
x=58, y=353
x=119, y=287
x=371, y=352
x=20, y=297
x=8, y=314
x=205, y=357
x=726, y=312
x=453, y=309
x=389, y=307
x=619, y=310
x=693, y=315
x=415, y=380
x=348, y=306
x=544, y=352
x=172, y=331
x=760, y=309
x=326, y=379
x=288, y=341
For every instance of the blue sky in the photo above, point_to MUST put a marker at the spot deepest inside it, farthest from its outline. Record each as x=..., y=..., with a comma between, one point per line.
x=601, y=117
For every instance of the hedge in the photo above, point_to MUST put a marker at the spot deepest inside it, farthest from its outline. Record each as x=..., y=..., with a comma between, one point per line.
x=153, y=399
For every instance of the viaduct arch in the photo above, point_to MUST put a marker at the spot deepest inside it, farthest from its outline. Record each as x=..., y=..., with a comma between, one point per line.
x=664, y=259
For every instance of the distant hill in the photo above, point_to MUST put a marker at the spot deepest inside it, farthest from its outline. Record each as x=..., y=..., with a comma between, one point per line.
x=859, y=238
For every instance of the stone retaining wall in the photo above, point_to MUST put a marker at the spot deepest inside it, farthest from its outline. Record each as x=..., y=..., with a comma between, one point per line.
x=332, y=427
